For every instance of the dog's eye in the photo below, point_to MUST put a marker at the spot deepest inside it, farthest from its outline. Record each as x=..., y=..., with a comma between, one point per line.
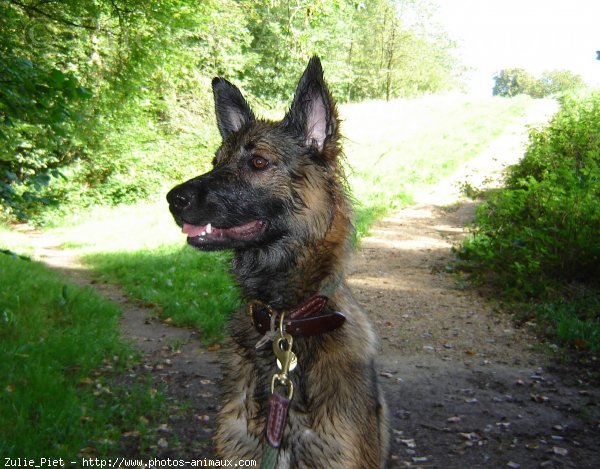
x=258, y=162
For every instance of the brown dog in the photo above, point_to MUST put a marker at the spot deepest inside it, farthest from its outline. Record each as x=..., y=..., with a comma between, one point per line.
x=276, y=196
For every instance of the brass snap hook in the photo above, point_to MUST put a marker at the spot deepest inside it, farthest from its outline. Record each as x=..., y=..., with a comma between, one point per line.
x=282, y=379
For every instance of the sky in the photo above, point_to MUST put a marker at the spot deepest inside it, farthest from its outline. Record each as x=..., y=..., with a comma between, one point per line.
x=536, y=35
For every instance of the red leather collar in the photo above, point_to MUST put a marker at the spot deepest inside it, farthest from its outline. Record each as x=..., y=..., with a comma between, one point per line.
x=306, y=319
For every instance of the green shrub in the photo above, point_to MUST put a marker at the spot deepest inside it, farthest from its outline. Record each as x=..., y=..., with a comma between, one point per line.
x=538, y=236
x=543, y=225
x=568, y=147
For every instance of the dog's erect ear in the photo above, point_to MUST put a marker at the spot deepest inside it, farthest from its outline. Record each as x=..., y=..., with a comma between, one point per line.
x=231, y=108
x=312, y=114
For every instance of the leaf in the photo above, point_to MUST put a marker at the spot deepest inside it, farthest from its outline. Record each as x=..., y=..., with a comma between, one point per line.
x=10, y=175
x=57, y=78
x=163, y=428
x=410, y=443
x=86, y=452
x=162, y=443
x=580, y=344
x=560, y=451
x=539, y=398
x=84, y=92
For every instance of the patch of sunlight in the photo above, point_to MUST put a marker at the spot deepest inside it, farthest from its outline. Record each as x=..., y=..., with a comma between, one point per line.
x=414, y=244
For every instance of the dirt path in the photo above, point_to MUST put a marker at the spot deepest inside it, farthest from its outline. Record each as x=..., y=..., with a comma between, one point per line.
x=465, y=388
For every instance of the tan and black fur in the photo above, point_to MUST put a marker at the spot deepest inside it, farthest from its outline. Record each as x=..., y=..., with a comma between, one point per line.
x=276, y=196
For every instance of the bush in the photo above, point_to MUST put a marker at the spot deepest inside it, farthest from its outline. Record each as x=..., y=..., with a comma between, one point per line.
x=537, y=238
x=543, y=225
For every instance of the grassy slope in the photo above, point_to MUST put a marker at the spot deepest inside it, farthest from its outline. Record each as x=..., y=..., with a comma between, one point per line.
x=394, y=149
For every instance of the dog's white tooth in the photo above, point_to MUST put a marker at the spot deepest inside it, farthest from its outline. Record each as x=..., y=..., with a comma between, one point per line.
x=203, y=233
x=209, y=228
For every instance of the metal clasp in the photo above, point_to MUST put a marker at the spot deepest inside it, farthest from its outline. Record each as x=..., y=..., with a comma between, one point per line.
x=286, y=359
x=280, y=378
x=270, y=334
x=282, y=347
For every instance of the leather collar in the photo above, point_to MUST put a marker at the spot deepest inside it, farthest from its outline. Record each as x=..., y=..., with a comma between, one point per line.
x=304, y=320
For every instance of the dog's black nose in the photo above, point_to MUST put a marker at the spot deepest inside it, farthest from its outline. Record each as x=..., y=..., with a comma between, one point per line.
x=180, y=198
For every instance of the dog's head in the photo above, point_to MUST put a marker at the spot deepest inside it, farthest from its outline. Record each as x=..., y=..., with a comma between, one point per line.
x=268, y=178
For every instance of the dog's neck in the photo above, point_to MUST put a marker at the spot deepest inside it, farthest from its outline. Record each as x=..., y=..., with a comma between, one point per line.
x=287, y=275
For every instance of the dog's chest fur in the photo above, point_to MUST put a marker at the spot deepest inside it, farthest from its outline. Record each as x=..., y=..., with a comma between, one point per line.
x=336, y=408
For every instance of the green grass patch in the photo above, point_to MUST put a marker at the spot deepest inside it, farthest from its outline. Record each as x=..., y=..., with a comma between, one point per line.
x=60, y=355
x=192, y=288
x=573, y=322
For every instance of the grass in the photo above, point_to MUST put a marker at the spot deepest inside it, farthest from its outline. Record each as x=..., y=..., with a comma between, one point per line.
x=147, y=255
x=573, y=322
x=60, y=354
x=191, y=289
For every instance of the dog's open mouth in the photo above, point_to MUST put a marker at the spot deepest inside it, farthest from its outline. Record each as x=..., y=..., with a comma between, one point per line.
x=199, y=235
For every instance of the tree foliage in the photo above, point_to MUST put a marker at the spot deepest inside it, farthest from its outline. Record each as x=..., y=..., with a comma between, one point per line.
x=96, y=92
x=514, y=81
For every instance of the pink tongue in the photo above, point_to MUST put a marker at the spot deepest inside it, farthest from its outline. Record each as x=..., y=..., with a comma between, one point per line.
x=193, y=231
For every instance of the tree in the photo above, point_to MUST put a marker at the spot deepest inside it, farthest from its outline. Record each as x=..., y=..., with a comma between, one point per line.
x=40, y=100
x=90, y=90
x=512, y=82
x=559, y=81
x=75, y=77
